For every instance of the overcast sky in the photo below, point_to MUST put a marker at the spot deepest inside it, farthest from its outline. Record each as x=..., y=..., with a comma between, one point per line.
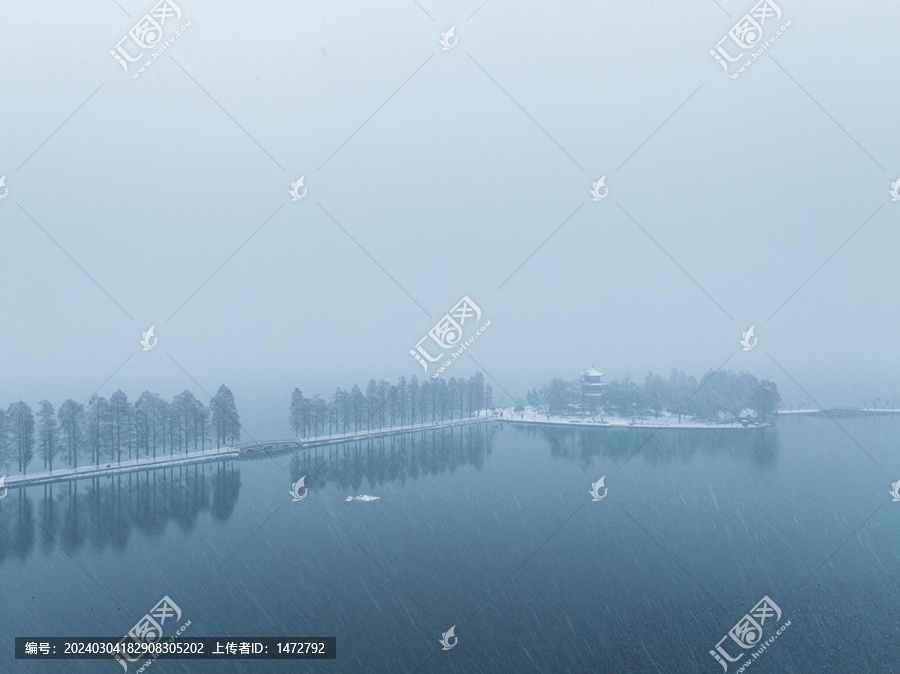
x=433, y=174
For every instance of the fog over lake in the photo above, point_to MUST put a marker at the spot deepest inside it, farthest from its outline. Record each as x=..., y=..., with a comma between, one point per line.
x=749, y=187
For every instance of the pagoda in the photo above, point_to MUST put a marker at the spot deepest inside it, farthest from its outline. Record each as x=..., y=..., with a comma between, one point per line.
x=591, y=382
x=591, y=389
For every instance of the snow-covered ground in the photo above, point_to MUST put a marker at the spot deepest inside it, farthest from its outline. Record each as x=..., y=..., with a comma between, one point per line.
x=218, y=454
x=105, y=469
x=867, y=410
x=361, y=435
x=797, y=411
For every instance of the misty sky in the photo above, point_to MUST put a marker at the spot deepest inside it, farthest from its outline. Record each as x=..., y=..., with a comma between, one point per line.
x=725, y=196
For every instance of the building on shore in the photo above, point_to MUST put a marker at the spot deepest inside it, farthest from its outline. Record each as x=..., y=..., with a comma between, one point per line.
x=591, y=389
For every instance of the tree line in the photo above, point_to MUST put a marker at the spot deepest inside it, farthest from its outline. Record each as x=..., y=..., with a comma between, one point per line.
x=108, y=430
x=720, y=396
x=386, y=405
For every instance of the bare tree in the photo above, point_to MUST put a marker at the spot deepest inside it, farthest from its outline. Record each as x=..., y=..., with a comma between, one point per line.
x=70, y=417
x=47, y=428
x=21, y=426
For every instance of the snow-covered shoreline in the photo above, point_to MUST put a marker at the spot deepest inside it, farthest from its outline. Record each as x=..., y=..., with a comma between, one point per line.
x=221, y=454
x=130, y=466
x=528, y=415
x=841, y=410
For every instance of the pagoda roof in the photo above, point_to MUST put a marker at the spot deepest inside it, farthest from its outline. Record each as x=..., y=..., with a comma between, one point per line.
x=591, y=372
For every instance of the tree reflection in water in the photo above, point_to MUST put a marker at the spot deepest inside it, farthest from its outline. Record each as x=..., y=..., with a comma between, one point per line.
x=395, y=458
x=103, y=512
x=759, y=445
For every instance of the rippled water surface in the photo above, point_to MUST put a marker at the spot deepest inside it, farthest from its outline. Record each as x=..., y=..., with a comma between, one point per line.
x=490, y=528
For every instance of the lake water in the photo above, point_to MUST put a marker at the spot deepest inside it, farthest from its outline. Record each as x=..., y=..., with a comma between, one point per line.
x=490, y=528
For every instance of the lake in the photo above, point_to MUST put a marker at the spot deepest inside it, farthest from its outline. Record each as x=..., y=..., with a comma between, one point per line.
x=490, y=528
